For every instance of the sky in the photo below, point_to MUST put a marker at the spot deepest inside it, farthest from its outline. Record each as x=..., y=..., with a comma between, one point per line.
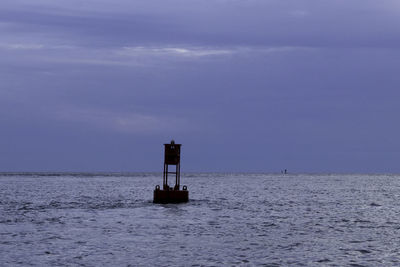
x=243, y=85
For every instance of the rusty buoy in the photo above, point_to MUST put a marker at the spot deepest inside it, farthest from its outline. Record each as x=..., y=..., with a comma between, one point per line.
x=172, y=156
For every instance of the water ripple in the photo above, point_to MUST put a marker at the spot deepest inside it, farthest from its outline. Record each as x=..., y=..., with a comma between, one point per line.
x=270, y=220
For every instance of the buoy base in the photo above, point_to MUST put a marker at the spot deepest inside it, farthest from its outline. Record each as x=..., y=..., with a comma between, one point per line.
x=170, y=196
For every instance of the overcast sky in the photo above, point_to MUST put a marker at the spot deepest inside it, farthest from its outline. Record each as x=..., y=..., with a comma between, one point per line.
x=244, y=85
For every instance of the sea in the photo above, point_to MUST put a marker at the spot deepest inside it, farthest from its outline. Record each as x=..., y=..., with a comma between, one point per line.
x=231, y=219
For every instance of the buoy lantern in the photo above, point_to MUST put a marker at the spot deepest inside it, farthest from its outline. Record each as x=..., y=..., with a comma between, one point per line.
x=172, y=156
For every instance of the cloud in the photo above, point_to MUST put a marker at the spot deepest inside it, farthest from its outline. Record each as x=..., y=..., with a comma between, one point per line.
x=21, y=46
x=136, y=24
x=174, y=51
x=197, y=51
x=43, y=44
x=299, y=13
x=123, y=122
x=129, y=56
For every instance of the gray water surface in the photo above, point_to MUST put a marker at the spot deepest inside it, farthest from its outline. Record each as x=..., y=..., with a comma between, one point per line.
x=231, y=219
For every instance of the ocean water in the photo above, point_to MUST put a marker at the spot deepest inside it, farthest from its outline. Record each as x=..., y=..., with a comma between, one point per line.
x=231, y=219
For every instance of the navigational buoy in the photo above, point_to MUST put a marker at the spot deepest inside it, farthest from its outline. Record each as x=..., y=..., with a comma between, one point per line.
x=172, y=156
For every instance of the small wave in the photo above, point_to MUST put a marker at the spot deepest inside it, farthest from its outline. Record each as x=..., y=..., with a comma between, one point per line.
x=361, y=221
x=373, y=204
x=363, y=251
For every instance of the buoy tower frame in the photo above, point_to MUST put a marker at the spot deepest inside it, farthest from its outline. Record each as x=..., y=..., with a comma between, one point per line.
x=172, y=156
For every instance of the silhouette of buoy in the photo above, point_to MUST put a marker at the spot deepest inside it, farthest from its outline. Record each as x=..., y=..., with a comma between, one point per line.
x=172, y=156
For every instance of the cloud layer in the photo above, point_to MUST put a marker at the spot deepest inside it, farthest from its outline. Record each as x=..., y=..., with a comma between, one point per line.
x=246, y=85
